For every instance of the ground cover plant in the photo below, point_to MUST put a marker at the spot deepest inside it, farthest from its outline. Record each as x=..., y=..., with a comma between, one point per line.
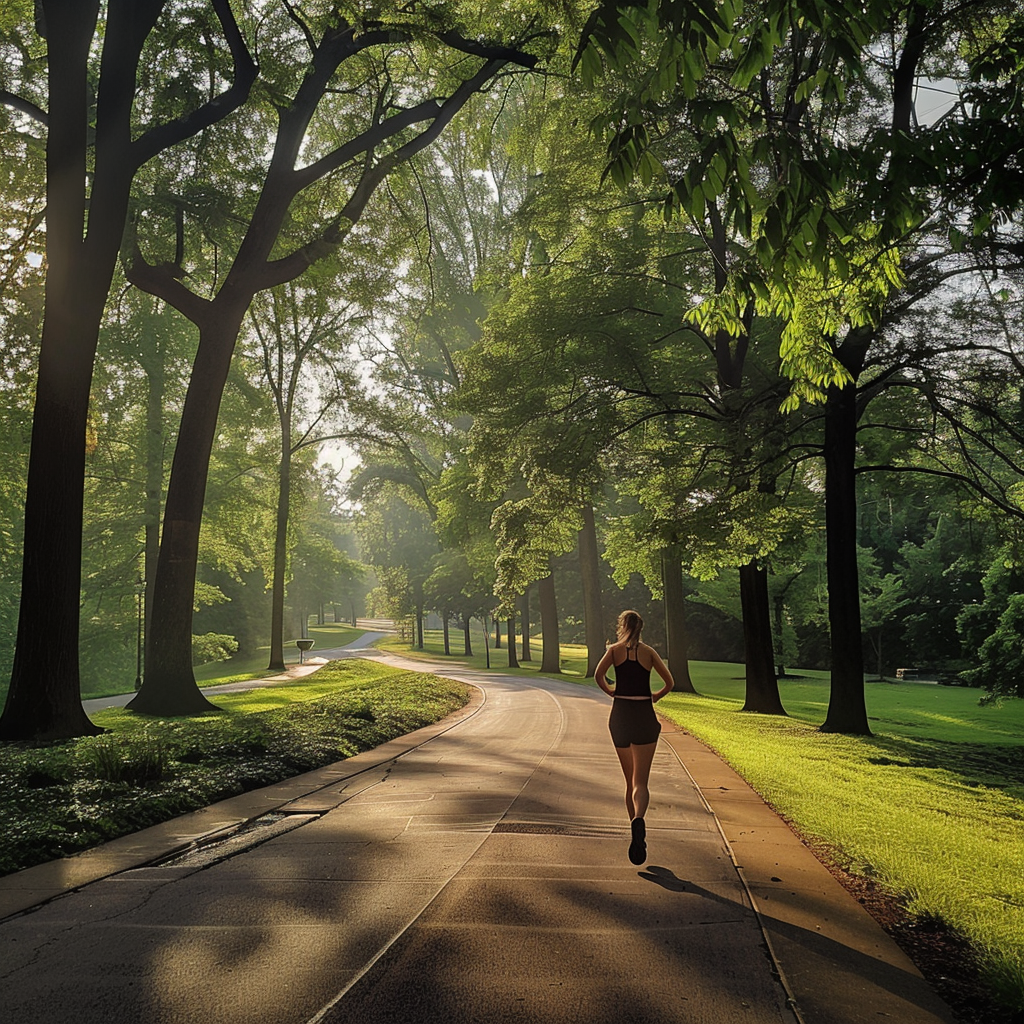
x=64, y=797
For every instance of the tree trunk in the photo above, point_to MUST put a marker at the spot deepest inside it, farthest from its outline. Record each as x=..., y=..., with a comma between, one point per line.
x=44, y=698
x=497, y=633
x=156, y=387
x=447, y=642
x=593, y=607
x=524, y=612
x=513, y=661
x=550, y=650
x=847, y=711
x=762, y=689
x=675, y=619
x=419, y=624
x=284, y=474
x=780, y=668
x=169, y=687
x=468, y=643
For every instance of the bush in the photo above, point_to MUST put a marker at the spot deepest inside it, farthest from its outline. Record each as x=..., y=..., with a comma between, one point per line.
x=133, y=760
x=1001, y=657
x=213, y=647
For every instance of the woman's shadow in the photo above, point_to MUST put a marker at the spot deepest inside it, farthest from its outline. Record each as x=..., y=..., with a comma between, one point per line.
x=664, y=877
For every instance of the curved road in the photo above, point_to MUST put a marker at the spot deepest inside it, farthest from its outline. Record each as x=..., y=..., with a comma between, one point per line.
x=480, y=876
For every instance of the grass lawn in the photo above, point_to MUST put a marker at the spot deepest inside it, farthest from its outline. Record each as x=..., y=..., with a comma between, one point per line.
x=930, y=807
x=237, y=669
x=62, y=797
x=572, y=657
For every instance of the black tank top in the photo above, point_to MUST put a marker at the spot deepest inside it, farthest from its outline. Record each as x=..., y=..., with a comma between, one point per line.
x=631, y=678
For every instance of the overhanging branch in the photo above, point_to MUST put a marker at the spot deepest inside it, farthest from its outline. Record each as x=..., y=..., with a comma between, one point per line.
x=24, y=106
x=163, y=136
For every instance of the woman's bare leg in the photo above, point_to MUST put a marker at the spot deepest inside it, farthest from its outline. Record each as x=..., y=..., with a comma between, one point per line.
x=626, y=760
x=641, y=756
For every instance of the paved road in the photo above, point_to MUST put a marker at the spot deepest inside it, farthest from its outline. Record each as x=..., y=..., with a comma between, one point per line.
x=482, y=876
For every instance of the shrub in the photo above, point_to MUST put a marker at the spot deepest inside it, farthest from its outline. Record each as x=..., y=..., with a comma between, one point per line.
x=1001, y=656
x=125, y=758
x=213, y=647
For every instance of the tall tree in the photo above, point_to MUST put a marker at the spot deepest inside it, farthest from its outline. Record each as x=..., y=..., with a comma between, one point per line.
x=389, y=92
x=303, y=339
x=103, y=122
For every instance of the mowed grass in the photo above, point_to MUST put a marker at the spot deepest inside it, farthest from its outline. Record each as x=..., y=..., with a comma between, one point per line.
x=930, y=806
x=572, y=657
x=58, y=798
x=234, y=670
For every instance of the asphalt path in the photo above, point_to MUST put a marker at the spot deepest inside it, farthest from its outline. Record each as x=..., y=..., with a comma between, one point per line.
x=480, y=876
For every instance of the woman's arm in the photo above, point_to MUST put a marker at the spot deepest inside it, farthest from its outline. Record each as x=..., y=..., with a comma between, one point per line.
x=662, y=669
x=603, y=665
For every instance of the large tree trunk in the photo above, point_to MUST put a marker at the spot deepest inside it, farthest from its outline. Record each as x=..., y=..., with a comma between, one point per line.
x=419, y=623
x=675, y=619
x=762, y=689
x=497, y=633
x=590, y=574
x=44, y=698
x=447, y=638
x=170, y=686
x=847, y=711
x=466, y=638
x=550, y=649
x=284, y=476
x=513, y=661
x=524, y=614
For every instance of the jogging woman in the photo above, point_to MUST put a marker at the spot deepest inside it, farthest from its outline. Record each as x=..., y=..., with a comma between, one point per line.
x=633, y=724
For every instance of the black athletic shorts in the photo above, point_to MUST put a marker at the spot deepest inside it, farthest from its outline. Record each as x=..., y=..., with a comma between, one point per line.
x=633, y=721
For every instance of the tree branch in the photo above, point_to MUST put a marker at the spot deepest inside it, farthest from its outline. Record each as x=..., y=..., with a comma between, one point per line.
x=157, y=139
x=24, y=106
x=289, y=267
x=364, y=142
x=163, y=281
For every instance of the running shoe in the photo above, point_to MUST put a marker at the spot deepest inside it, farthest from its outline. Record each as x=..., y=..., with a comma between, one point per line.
x=638, y=847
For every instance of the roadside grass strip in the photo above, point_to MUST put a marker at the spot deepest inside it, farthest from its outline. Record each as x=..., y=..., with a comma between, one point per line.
x=930, y=807
x=240, y=668
x=58, y=798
